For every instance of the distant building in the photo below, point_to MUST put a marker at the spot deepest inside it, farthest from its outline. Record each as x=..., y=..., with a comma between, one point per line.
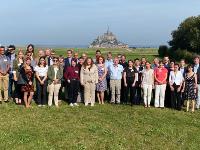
x=107, y=40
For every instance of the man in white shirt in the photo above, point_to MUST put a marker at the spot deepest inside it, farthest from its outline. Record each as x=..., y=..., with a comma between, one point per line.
x=175, y=82
x=115, y=71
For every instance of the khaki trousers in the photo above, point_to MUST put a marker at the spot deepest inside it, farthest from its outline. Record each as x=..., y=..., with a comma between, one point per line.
x=89, y=93
x=53, y=91
x=115, y=87
x=4, y=86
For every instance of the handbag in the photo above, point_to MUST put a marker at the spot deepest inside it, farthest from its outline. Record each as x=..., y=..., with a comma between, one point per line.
x=21, y=80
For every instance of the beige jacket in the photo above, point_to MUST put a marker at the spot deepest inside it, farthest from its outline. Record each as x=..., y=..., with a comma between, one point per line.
x=89, y=75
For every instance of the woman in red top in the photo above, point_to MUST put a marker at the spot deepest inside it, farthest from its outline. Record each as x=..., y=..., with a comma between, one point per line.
x=72, y=76
x=160, y=75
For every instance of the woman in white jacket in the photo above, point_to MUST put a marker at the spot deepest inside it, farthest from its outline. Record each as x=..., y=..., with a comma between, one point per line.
x=89, y=79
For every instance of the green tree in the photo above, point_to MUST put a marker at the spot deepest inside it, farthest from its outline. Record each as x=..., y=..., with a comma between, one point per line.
x=187, y=36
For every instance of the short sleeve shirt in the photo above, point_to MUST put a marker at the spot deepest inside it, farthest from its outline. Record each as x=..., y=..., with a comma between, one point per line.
x=161, y=74
x=42, y=71
x=4, y=62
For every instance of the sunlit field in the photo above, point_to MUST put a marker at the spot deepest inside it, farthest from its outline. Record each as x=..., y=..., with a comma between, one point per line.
x=109, y=127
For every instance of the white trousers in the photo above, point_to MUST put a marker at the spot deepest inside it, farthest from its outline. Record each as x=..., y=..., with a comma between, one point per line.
x=147, y=91
x=198, y=97
x=160, y=95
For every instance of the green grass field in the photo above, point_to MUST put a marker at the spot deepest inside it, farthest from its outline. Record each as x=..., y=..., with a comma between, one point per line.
x=109, y=127
x=106, y=126
x=149, y=53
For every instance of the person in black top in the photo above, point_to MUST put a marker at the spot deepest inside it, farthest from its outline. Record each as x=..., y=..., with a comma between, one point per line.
x=130, y=76
x=138, y=94
x=124, y=63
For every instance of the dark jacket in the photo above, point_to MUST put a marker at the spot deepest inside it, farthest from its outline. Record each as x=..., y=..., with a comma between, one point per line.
x=24, y=77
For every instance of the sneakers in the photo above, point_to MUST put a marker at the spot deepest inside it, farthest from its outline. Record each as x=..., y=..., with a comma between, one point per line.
x=75, y=104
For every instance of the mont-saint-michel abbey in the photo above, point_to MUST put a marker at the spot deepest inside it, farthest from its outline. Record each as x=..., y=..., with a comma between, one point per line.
x=107, y=40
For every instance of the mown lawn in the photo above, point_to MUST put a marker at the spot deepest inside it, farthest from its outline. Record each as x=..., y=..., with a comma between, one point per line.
x=114, y=127
x=100, y=127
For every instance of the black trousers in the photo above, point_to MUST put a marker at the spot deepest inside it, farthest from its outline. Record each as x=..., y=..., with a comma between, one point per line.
x=176, y=98
x=123, y=98
x=126, y=92
x=138, y=94
x=42, y=92
x=17, y=93
x=108, y=91
x=168, y=96
x=60, y=94
x=73, y=89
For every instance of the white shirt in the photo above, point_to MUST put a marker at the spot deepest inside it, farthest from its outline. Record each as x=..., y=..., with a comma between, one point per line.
x=175, y=78
x=42, y=71
x=55, y=70
x=196, y=68
x=182, y=70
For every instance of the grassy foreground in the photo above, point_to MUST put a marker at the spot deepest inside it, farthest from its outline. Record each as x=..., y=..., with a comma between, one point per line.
x=110, y=127
x=100, y=127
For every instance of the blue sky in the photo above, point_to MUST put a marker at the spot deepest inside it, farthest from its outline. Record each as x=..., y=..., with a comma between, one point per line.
x=78, y=22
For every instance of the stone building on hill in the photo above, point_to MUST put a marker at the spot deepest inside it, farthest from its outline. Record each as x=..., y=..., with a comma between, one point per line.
x=107, y=40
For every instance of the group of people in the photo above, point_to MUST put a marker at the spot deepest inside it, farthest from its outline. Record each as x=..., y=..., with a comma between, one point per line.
x=46, y=77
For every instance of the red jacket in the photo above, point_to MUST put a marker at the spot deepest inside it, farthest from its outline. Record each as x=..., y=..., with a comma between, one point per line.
x=72, y=73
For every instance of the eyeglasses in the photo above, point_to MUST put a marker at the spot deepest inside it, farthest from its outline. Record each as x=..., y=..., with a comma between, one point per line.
x=55, y=60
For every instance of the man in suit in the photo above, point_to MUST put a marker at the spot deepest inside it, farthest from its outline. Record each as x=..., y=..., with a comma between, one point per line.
x=183, y=68
x=67, y=63
x=68, y=59
x=49, y=60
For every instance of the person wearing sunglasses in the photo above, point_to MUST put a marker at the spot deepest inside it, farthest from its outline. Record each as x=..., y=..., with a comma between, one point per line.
x=55, y=74
x=30, y=55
